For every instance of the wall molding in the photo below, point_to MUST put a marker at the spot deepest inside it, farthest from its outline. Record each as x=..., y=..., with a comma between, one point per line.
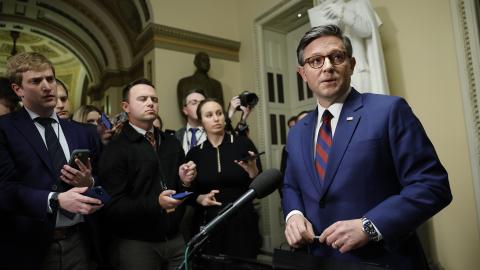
x=170, y=38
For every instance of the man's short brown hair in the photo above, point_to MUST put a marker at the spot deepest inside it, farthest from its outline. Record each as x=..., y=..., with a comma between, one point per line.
x=23, y=62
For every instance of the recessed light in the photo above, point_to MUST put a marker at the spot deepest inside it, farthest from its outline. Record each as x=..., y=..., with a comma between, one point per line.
x=299, y=15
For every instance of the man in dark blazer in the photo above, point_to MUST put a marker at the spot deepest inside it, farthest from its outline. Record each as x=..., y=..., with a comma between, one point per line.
x=193, y=127
x=43, y=209
x=362, y=176
x=141, y=168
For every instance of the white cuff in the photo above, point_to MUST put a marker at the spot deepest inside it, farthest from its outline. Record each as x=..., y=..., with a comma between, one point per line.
x=380, y=236
x=49, y=210
x=293, y=212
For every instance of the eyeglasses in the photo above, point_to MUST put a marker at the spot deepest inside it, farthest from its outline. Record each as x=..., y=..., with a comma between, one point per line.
x=193, y=102
x=317, y=61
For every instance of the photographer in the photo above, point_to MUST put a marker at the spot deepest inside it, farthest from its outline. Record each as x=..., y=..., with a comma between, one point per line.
x=245, y=102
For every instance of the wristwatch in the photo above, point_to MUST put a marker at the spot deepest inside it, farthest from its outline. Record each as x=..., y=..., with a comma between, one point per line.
x=53, y=202
x=370, y=230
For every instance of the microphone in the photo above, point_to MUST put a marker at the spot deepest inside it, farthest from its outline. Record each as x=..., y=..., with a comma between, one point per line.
x=264, y=184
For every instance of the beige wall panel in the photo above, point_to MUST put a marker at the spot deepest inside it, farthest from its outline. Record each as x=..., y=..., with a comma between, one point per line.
x=222, y=18
x=212, y=17
x=171, y=66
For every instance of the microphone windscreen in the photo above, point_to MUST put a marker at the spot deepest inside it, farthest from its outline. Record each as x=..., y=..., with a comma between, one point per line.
x=266, y=182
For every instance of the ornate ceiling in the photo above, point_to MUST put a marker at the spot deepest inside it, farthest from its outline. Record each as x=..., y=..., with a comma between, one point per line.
x=68, y=67
x=91, y=43
x=97, y=44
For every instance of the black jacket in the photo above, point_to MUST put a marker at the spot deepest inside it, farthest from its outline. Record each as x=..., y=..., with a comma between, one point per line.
x=133, y=174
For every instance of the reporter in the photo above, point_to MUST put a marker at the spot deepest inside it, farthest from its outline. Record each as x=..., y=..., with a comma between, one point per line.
x=90, y=114
x=62, y=109
x=36, y=185
x=140, y=168
x=8, y=98
x=219, y=169
x=87, y=114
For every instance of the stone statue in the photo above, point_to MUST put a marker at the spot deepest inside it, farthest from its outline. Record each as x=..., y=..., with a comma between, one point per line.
x=359, y=22
x=200, y=80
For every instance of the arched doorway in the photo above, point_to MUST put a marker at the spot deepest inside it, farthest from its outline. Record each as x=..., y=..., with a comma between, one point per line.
x=91, y=43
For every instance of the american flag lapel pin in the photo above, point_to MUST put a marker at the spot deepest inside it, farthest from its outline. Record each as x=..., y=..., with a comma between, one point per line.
x=349, y=118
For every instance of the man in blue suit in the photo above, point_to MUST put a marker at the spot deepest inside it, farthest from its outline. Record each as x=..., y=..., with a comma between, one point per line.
x=361, y=173
x=42, y=204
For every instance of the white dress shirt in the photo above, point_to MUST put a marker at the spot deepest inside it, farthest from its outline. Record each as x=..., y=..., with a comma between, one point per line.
x=61, y=221
x=187, y=137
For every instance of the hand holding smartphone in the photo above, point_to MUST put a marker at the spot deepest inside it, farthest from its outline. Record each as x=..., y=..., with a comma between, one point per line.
x=181, y=195
x=81, y=154
x=98, y=192
x=249, y=157
x=105, y=121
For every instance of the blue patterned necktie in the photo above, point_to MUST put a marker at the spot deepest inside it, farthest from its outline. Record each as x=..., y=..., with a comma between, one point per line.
x=323, y=145
x=193, y=141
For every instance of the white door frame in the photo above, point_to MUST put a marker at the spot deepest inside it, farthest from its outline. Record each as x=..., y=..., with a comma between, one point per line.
x=467, y=41
x=262, y=117
x=269, y=209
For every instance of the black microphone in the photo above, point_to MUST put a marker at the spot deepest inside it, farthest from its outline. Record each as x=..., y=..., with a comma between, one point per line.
x=264, y=184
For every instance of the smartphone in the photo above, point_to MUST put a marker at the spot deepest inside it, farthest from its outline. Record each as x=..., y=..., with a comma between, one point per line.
x=249, y=157
x=98, y=192
x=81, y=154
x=105, y=121
x=181, y=195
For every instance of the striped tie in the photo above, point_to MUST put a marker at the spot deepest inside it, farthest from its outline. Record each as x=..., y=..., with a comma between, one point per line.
x=324, y=142
x=193, y=141
x=151, y=139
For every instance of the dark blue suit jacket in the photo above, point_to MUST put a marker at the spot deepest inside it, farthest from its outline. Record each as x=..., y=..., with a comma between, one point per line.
x=381, y=166
x=26, y=178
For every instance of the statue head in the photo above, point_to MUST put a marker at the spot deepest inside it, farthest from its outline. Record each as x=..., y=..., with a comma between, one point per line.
x=202, y=61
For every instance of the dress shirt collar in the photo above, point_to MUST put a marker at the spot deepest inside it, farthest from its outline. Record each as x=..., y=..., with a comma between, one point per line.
x=335, y=109
x=141, y=130
x=200, y=128
x=34, y=115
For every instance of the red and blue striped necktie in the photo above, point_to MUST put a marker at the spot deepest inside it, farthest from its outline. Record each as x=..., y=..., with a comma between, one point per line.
x=323, y=145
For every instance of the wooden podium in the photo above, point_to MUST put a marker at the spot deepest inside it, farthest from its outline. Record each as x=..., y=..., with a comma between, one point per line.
x=288, y=260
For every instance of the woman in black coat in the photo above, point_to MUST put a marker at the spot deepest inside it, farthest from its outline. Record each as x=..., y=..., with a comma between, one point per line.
x=221, y=179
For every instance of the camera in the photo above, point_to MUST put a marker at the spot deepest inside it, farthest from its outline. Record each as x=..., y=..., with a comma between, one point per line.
x=248, y=99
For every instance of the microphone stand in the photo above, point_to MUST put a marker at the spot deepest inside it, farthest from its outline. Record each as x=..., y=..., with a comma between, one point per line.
x=199, y=239
x=197, y=242
x=263, y=185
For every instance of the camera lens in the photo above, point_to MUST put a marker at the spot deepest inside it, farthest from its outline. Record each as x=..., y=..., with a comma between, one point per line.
x=248, y=99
